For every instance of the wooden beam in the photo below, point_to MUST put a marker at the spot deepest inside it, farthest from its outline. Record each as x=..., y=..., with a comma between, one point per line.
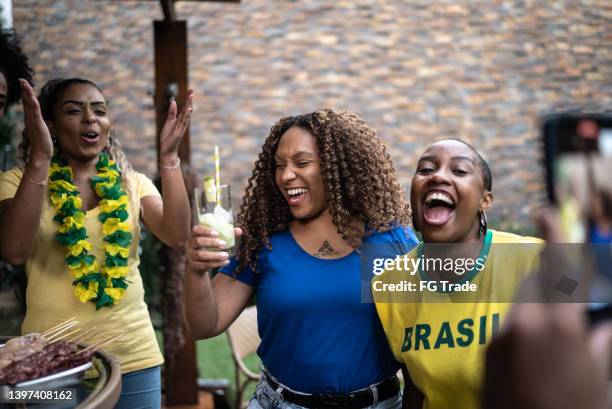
x=171, y=75
x=168, y=10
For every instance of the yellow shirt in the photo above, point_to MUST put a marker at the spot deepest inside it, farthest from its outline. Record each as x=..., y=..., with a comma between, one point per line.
x=50, y=295
x=441, y=337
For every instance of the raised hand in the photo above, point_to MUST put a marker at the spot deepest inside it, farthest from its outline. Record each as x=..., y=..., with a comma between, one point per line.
x=174, y=129
x=36, y=130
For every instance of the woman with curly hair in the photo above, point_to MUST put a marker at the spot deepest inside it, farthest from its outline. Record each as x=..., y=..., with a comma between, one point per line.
x=322, y=190
x=72, y=215
x=13, y=66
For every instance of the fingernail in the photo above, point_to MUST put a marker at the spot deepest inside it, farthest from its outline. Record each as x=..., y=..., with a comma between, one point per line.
x=221, y=243
x=226, y=262
x=214, y=233
x=224, y=254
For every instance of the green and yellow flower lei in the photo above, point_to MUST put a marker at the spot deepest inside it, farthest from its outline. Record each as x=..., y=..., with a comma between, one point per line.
x=104, y=286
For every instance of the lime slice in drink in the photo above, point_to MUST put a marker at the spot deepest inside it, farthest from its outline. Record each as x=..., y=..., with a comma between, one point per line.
x=210, y=189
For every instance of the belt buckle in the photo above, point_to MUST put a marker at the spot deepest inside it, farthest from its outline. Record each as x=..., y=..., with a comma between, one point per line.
x=373, y=389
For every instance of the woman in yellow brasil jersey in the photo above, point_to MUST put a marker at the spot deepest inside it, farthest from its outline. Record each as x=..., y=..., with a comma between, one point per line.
x=438, y=320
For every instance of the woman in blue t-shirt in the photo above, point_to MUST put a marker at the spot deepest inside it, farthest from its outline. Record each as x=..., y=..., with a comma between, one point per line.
x=323, y=195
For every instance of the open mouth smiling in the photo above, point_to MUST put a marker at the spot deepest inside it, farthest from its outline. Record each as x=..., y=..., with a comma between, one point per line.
x=90, y=136
x=296, y=195
x=439, y=207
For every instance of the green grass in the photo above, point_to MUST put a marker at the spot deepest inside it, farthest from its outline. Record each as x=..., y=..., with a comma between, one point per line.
x=215, y=362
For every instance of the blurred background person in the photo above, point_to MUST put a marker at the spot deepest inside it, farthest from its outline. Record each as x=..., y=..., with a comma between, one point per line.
x=547, y=356
x=13, y=66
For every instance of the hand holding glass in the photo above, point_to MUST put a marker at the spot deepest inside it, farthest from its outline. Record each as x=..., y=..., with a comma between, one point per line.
x=216, y=213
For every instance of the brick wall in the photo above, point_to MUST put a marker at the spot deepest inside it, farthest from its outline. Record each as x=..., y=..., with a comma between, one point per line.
x=416, y=71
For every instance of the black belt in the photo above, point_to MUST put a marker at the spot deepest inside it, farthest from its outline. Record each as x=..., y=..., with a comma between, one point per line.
x=354, y=400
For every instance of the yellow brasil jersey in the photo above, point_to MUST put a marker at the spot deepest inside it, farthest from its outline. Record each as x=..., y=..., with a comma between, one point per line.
x=441, y=336
x=50, y=297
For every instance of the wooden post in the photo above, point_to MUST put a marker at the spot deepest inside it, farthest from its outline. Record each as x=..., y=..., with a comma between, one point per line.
x=181, y=372
x=180, y=378
x=170, y=74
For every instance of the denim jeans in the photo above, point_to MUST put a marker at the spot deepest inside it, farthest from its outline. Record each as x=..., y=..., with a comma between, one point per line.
x=267, y=398
x=141, y=389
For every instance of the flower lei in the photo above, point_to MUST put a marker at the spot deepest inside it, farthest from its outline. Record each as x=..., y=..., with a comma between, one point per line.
x=104, y=286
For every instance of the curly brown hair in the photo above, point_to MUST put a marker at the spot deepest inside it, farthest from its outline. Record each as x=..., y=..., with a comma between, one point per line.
x=359, y=178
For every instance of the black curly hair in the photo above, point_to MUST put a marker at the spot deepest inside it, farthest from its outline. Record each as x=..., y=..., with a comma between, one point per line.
x=13, y=64
x=359, y=178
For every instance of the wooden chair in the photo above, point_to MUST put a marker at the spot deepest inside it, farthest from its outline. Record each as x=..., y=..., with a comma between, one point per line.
x=243, y=340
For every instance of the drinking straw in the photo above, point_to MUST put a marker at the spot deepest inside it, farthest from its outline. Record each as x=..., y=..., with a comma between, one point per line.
x=197, y=202
x=217, y=175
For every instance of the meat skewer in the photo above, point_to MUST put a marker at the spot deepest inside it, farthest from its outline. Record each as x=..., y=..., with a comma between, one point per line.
x=33, y=356
x=57, y=357
x=20, y=347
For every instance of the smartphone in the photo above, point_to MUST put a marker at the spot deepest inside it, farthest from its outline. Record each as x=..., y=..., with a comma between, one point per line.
x=578, y=160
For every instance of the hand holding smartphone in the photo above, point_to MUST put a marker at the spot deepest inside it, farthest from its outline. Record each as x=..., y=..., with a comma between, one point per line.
x=578, y=153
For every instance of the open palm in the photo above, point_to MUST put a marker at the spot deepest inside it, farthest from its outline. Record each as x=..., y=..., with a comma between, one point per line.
x=175, y=127
x=36, y=130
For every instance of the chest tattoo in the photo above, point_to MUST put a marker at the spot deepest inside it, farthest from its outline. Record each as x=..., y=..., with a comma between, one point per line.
x=326, y=250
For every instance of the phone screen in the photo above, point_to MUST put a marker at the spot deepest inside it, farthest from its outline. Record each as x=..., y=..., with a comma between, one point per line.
x=579, y=181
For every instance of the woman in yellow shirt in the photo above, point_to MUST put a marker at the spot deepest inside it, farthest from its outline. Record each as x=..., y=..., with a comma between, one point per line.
x=440, y=330
x=71, y=214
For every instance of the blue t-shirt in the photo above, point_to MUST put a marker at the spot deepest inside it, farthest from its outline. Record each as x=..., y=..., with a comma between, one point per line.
x=317, y=336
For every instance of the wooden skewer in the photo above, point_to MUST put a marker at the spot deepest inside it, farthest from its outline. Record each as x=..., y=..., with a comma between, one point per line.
x=59, y=328
x=51, y=338
x=66, y=335
x=100, y=344
x=85, y=335
x=52, y=329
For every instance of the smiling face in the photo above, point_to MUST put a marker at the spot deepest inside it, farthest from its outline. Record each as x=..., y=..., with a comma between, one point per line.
x=447, y=194
x=3, y=94
x=80, y=122
x=298, y=174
